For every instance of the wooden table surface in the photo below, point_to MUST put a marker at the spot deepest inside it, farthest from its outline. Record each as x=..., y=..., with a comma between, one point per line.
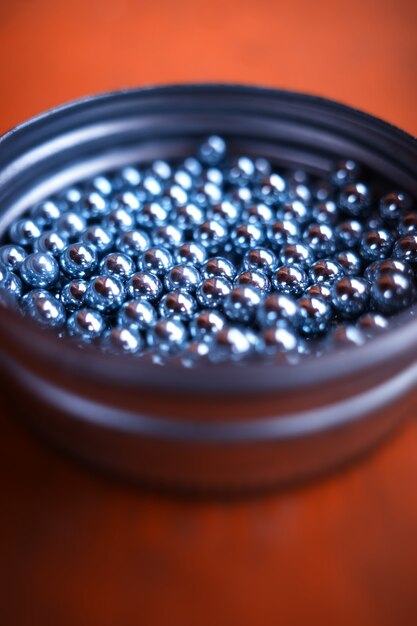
x=79, y=549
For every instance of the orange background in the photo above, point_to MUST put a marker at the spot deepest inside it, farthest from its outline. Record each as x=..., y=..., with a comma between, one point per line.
x=79, y=549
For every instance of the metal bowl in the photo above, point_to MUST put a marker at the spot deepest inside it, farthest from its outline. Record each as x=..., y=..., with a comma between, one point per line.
x=221, y=427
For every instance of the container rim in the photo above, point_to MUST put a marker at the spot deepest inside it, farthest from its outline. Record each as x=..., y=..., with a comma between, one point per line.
x=402, y=338
x=196, y=87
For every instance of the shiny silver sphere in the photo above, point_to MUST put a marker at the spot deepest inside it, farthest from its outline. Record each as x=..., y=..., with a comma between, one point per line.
x=261, y=259
x=290, y=279
x=98, y=237
x=51, y=241
x=295, y=210
x=226, y=210
x=167, y=336
x=219, y=266
x=206, y=323
x=213, y=150
x=345, y=171
x=320, y=239
x=120, y=340
x=212, y=292
x=128, y=200
x=157, y=260
x=326, y=271
x=390, y=292
x=350, y=296
x=345, y=336
x=374, y=222
x=184, y=276
x=102, y=184
x=241, y=170
x=71, y=225
x=118, y=264
x=212, y=234
x=24, y=231
x=161, y=169
x=183, y=178
x=10, y=282
x=137, y=314
x=69, y=198
x=193, y=167
x=243, y=196
x=43, y=308
x=192, y=253
x=348, y=234
x=372, y=324
x=105, y=293
x=241, y=304
x=387, y=266
x=196, y=351
x=278, y=339
x=179, y=304
x=355, y=200
x=213, y=175
x=231, y=343
x=325, y=212
x=350, y=261
x=405, y=250
x=129, y=176
x=78, y=260
x=299, y=191
x=133, y=243
x=319, y=290
x=144, y=286
x=207, y=193
x=12, y=256
x=408, y=224
x=271, y=189
x=258, y=213
x=169, y=236
x=151, y=186
x=175, y=195
x=322, y=191
x=315, y=316
x=46, y=213
x=119, y=221
x=39, y=270
x=189, y=215
x=246, y=236
x=376, y=244
x=296, y=254
x=86, y=325
x=93, y=205
x=282, y=232
x=152, y=214
x=276, y=309
x=255, y=279
x=73, y=294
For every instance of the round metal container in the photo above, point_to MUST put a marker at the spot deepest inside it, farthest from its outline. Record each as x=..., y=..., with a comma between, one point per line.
x=218, y=427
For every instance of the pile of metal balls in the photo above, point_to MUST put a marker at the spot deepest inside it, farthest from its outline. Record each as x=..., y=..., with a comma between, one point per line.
x=215, y=257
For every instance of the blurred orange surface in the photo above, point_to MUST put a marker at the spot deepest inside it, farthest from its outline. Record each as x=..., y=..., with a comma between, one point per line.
x=79, y=549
